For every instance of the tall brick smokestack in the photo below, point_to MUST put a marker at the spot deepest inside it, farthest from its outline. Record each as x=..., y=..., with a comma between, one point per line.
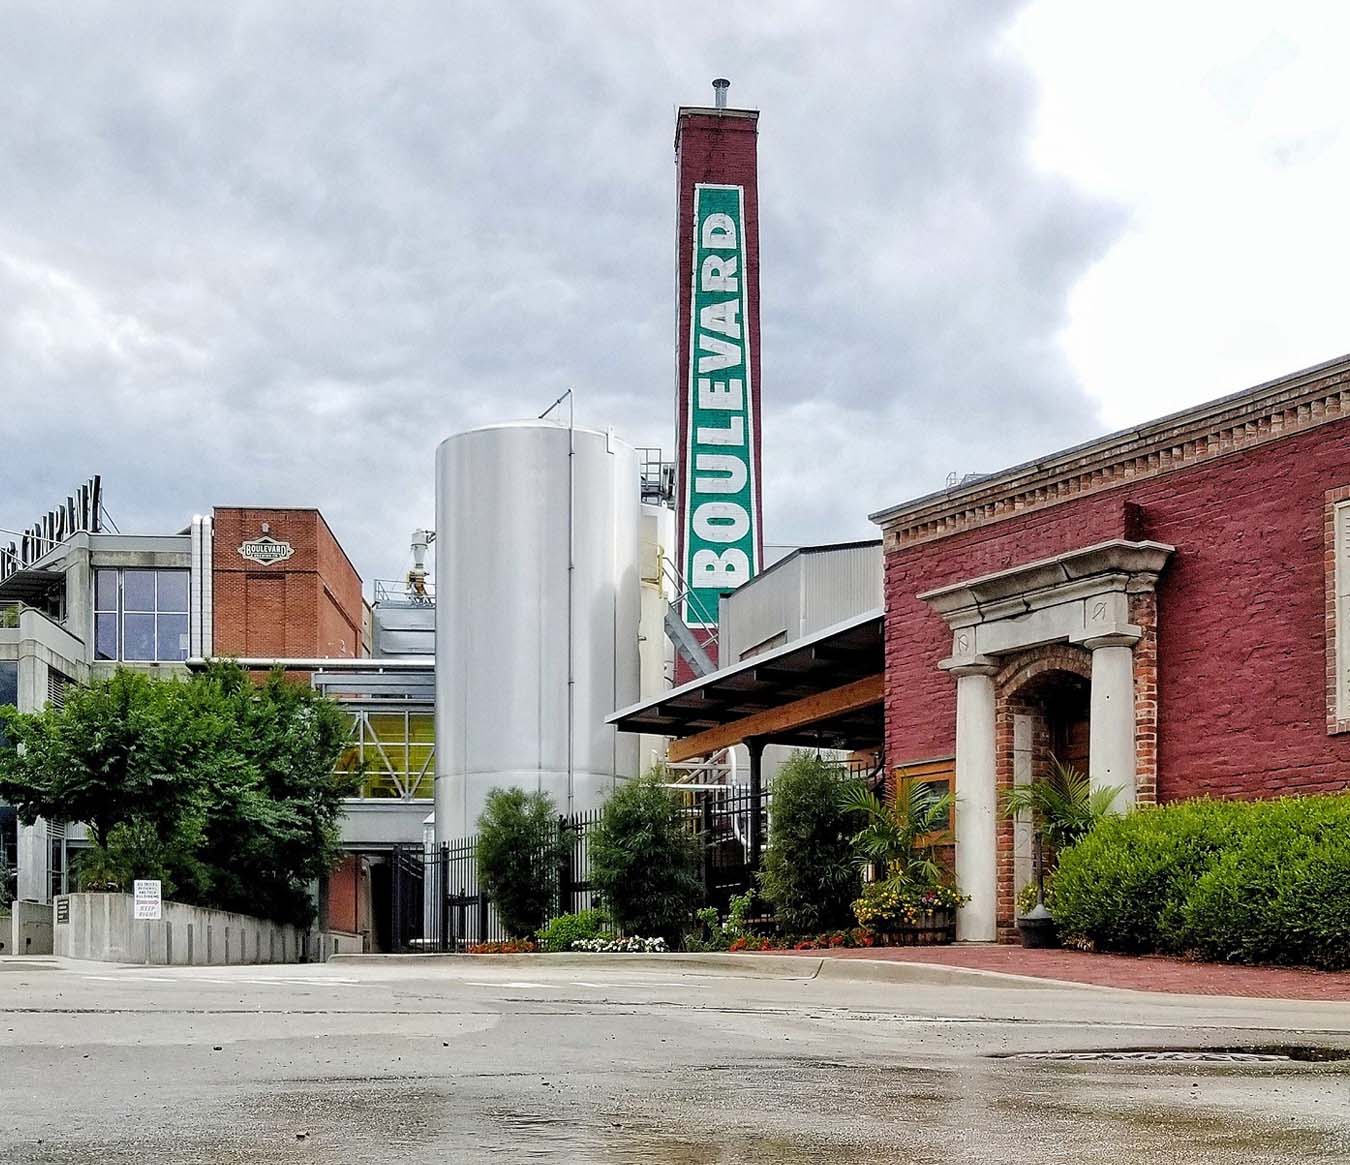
x=718, y=502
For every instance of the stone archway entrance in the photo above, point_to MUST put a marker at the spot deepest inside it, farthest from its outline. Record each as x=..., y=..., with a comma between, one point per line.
x=1043, y=715
x=1085, y=613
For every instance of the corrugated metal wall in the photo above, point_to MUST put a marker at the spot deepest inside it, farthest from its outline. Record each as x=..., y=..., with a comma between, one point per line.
x=805, y=592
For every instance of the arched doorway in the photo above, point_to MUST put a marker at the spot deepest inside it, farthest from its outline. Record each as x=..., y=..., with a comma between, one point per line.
x=1044, y=713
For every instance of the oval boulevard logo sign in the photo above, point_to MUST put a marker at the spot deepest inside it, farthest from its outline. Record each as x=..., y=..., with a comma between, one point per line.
x=266, y=550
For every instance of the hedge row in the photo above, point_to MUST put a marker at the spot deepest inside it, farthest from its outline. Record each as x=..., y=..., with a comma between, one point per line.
x=1233, y=881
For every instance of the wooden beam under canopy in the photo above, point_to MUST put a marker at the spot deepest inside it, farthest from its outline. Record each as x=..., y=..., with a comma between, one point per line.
x=788, y=717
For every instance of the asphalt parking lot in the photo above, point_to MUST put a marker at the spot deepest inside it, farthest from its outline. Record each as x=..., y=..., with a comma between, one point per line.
x=609, y=1060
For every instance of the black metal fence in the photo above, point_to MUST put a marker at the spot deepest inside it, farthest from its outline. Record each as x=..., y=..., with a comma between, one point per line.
x=438, y=904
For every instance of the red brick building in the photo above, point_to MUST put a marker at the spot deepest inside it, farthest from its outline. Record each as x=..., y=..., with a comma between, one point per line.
x=1168, y=607
x=282, y=587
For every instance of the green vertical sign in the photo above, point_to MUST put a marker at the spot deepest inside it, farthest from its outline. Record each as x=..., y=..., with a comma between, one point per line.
x=721, y=539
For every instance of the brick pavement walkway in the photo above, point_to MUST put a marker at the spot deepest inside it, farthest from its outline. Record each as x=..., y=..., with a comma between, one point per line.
x=1137, y=973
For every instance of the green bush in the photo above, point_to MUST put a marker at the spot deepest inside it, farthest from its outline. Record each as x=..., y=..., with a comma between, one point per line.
x=1240, y=881
x=563, y=931
x=809, y=873
x=645, y=860
x=519, y=851
x=1282, y=893
x=714, y=933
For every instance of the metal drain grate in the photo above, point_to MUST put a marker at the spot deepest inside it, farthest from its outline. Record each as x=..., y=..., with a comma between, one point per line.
x=1170, y=1057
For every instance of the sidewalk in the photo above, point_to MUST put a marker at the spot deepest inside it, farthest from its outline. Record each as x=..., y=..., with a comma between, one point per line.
x=1135, y=973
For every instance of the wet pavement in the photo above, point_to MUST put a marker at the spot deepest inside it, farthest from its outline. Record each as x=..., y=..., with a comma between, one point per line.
x=612, y=1062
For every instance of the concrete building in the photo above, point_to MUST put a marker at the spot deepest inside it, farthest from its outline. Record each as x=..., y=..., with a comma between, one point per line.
x=80, y=601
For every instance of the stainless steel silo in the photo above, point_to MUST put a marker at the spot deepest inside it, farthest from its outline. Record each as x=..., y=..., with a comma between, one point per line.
x=538, y=604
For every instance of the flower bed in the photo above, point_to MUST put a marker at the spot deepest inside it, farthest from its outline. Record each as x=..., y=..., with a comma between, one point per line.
x=512, y=946
x=626, y=946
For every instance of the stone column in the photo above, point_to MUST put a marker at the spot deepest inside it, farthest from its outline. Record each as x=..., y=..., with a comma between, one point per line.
x=1111, y=745
x=977, y=799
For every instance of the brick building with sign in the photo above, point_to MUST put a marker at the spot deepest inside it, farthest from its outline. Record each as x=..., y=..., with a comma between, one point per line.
x=1168, y=607
x=282, y=586
x=78, y=601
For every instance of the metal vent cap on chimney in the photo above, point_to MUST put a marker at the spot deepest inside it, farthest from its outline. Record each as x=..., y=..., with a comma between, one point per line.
x=720, y=87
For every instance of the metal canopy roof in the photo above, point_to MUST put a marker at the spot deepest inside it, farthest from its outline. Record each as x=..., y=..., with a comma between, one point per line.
x=849, y=651
x=29, y=584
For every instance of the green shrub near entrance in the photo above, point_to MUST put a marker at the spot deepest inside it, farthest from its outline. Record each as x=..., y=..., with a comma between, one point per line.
x=563, y=931
x=809, y=873
x=518, y=852
x=1237, y=881
x=645, y=861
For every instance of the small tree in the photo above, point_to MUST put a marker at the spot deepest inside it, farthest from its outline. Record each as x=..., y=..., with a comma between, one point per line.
x=118, y=751
x=645, y=860
x=519, y=850
x=899, y=836
x=809, y=874
x=1063, y=805
x=223, y=788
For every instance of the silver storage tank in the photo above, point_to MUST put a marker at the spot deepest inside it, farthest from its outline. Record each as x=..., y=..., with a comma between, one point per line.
x=507, y=635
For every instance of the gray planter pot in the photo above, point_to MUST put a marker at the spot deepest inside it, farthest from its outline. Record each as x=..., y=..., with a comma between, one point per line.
x=1037, y=929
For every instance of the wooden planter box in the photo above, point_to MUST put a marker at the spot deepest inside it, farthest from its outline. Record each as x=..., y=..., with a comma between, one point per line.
x=936, y=926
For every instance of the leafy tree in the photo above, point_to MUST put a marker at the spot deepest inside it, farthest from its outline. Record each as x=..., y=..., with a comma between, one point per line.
x=809, y=873
x=119, y=750
x=1063, y=804
x=269, y=804
x=645, y=860
x=519, y=850
x=896, y=834
x=223, y=788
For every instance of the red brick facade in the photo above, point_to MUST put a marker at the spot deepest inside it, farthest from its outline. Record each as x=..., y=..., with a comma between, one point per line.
x=307, y=606
x=718, y=147
x=1233, y=670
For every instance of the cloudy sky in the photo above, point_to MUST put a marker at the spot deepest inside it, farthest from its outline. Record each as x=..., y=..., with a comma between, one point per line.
x=271, y=253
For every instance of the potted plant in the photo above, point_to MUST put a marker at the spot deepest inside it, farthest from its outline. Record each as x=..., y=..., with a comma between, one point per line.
x=1063, y=807
x=914, y=893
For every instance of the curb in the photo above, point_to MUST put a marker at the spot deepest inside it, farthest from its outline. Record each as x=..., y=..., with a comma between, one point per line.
x=752, y=966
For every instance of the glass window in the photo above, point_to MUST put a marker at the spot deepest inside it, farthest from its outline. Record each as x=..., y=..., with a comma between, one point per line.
x=141, y=615
x=397, y=750
x=138, y=637
x=105, y=635
x=171, y=637
x=172, y=591
x=937, y=778
x=9, y=692
x=138, y=590
x=105, y=590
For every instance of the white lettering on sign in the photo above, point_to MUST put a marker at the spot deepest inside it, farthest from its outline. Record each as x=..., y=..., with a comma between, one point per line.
x=718, y=473
x=146, y=899
x=722, y=570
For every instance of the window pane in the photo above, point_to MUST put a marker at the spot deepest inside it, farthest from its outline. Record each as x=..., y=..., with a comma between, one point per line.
x=138, y=590
x=138, y=637
x=105, y=636
x=173, y=637
x=105, y=590
x=9, y=694
x=173, y=590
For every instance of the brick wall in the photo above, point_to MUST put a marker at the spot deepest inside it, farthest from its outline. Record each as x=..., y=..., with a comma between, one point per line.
x=714, y=148
x=1235, y=649
x=307, y=606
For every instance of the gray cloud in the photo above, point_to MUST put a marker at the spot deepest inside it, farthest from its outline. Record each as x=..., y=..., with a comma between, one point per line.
x=273, y=254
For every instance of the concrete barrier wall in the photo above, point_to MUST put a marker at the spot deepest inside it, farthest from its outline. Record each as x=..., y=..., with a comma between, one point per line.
x=101, y=927
x=29, y=929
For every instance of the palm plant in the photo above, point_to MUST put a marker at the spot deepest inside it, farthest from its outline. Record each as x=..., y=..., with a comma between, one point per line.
x=898, y=835
x=1063, y=804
